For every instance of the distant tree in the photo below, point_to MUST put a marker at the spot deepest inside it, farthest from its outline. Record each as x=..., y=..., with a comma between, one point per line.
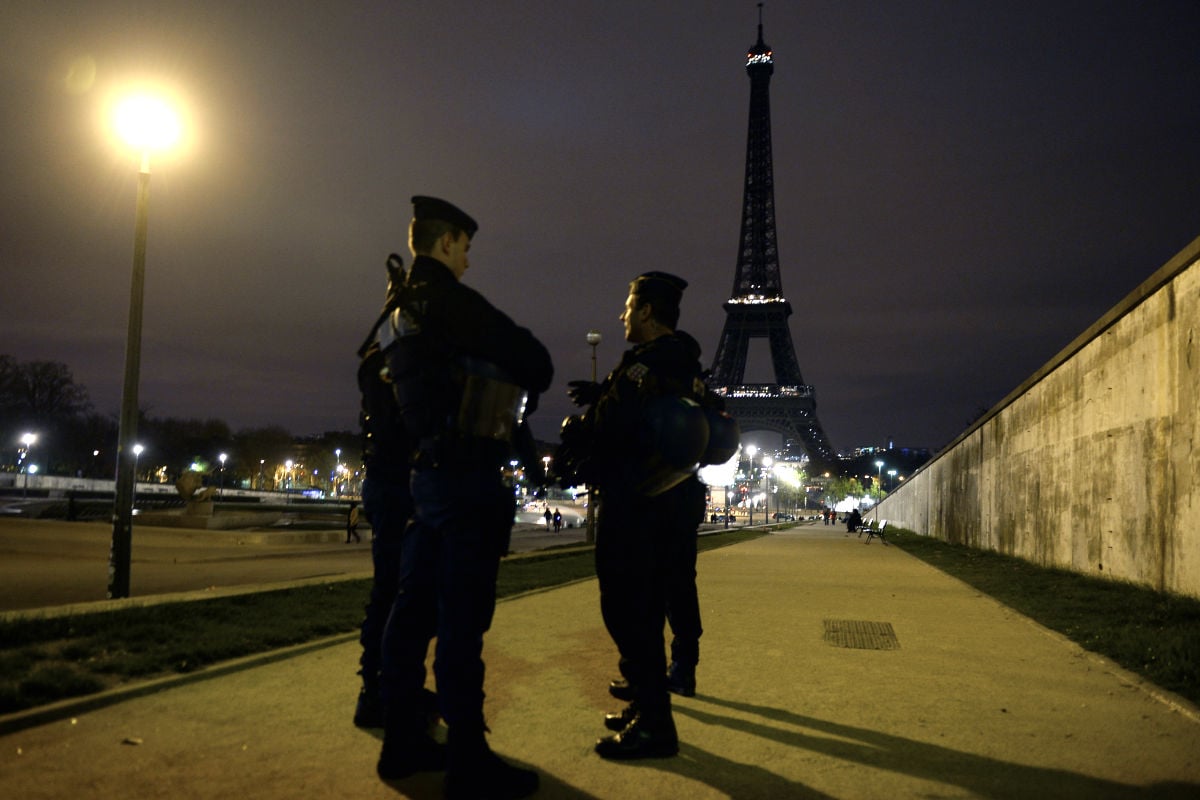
x=176, y=443
x=259, y=451
x=42, y=397
x=91, y=441
x=37, y=392
x=841, y=488
x=9, y=381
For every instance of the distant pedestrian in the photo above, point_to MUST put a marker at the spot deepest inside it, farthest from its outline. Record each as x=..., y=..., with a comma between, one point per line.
x=853, y=521
x=549, y=518
x=557, y=520
x=352, y=524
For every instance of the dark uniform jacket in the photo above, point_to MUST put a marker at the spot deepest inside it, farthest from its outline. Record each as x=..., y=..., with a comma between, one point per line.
x=666, y=366
x=438, y=322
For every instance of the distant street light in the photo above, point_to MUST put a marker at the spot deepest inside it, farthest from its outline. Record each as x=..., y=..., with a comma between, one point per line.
x=751, y=451
x=137, y=452
x=29, y=440
x=878, y=495
x=593, y=340
x=766, y=463
x=221, y=482
x=145, y=124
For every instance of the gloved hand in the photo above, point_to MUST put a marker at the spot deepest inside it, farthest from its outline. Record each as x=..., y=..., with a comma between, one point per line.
x=583, y=393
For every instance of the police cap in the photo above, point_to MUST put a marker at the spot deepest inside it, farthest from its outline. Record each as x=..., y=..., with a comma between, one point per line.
x=427, y=208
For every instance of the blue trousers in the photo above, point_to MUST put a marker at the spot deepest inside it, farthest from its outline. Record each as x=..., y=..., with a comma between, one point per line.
x=448, y=565
x=388, y=504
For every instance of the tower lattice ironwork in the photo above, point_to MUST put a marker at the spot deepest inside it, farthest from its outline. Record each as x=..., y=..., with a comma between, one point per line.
x=757, y=307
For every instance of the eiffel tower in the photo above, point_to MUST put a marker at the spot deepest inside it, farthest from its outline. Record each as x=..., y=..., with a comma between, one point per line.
x=757, y=307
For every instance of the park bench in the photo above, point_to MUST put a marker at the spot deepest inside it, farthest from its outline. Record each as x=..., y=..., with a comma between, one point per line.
x=874, y=531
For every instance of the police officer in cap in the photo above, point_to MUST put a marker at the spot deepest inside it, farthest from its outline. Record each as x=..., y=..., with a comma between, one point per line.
x=461, y=370
x=642, y=495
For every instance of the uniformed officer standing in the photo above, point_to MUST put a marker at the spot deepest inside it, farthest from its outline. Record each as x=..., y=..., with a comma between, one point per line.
x=461, y=370
x=388, y=504
x=387, y=453
x=637, y=537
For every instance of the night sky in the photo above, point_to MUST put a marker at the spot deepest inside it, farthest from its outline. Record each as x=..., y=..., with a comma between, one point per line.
x=961, y=187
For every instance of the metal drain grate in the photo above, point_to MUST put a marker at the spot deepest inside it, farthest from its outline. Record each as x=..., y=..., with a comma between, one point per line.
x=861, y=635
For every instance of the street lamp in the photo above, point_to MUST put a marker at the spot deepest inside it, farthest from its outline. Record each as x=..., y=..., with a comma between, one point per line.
x=766, y=463
x=287, y=481
x=28, y=440
x=878, y=494
x=751, y=450
x=221, y=483
x=593, y=339
x=145, y=124
x=137, y=452
x=337, y=470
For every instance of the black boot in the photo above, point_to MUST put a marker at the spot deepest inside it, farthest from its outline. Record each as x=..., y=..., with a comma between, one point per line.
x=474, y=772
x=408, y=748
x=649, y=735
x=619, y=720
x=681, y=679
x=368, y=713
x=621, y=689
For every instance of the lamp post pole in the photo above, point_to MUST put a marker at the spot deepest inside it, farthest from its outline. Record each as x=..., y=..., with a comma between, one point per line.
x=593, y=339
x=878, y=493
x=751, y=451
x=767, y=462
x=122, y=536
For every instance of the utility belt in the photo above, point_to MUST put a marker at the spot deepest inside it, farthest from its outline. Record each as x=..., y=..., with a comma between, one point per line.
x=455, y=451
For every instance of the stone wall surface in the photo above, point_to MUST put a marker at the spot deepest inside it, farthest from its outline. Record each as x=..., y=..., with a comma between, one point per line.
x=1093, y=463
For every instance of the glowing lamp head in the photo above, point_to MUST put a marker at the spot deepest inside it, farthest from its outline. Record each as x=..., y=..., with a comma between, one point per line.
x=147, y=123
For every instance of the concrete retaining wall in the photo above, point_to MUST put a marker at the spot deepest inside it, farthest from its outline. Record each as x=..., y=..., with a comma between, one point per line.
x=1093, y=464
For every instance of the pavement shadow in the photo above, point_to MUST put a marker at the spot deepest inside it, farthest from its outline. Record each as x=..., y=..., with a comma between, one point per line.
x=982, y=776
x=730, y=778
x=429, y=786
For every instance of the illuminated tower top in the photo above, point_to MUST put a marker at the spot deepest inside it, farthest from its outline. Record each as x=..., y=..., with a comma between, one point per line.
x=760, y=54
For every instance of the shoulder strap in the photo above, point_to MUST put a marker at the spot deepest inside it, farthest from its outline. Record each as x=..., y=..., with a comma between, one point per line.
x=395, y=270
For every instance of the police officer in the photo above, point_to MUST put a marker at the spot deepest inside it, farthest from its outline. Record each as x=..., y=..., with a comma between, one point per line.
x=386, y=454
x=641, y=492
x=460, y=369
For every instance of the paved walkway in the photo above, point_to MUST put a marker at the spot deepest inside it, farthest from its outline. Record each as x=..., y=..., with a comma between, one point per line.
x=975, y=702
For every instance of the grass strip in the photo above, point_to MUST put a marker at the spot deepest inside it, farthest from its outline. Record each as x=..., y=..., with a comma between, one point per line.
x=1153, y=634
x=46, y=660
